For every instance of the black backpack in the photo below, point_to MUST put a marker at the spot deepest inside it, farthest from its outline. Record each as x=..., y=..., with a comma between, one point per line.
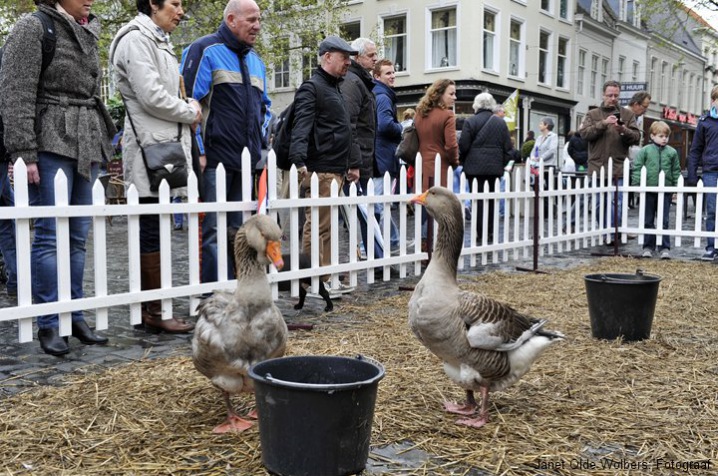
x=49, y=42
x=283, y=135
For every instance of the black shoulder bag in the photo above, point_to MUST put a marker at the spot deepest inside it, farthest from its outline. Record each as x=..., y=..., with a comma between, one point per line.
x=164, y=160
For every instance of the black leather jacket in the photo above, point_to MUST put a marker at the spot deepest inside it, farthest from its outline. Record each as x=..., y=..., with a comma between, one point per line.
x=321, y=132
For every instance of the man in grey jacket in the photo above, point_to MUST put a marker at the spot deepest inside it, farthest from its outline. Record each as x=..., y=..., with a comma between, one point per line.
x=361, y=105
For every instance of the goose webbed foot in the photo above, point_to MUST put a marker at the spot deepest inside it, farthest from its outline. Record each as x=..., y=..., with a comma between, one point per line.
x=468, y=408
x=233, y=423
x=483, y=417
x=460, y=408
x=474, y=422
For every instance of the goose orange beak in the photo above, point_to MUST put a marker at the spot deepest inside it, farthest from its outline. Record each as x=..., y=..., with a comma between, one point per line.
x=274, y=253
x=420, y=199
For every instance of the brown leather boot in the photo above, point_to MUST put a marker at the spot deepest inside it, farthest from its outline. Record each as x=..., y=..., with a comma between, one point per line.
x=152, y=310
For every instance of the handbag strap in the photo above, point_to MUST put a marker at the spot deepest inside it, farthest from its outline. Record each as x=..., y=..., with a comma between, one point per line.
x=137, y=139
x=481, y=133
x=132, y=124
x=127, y=110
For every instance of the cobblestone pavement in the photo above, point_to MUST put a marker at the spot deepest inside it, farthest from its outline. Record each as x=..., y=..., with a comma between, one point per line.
x=25, y=366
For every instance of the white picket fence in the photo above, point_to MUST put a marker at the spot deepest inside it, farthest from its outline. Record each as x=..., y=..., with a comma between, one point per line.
x=514, y=237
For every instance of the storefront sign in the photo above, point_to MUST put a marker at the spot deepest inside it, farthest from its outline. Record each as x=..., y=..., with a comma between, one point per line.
x=673, y=115
x=628, y=90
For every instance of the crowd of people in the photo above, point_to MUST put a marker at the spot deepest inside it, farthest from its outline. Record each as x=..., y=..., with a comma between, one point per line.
x=213, y=102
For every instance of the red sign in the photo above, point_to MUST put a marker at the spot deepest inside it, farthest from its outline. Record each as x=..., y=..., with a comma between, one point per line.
x=673, y=115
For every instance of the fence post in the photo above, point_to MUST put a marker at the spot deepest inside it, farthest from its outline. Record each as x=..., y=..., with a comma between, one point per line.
x=133, y=254
x=62, y=252
x=23, y=250
x=194, y=238
x=99, y=241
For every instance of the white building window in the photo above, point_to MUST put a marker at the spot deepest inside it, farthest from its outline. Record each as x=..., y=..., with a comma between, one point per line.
x=544, y=69
x=490, y=42
x=563, y=6
x=516, y=49
x=593, y=91
x=634, y=72
x=629, y=12
x=562, y=63
x=653, y=86
x=281, y=66
x=395, y=43
x=546, y=5
x=674, y=89
x=621, y=66
x=581, y=72
x=663, y=95
x=443, y=38
x=310, y=60
x=604, y=73
x=350, y=31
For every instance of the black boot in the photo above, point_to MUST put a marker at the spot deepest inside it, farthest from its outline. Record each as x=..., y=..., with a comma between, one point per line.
x=51, y=342
x=82, y=331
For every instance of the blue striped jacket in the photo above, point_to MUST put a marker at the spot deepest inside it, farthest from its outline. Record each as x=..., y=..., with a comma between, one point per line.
x=229, y=79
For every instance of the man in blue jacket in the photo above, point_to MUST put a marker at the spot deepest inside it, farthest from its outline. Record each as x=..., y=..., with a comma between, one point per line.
x=227, y=77
x=704, y=152
x=388, y=135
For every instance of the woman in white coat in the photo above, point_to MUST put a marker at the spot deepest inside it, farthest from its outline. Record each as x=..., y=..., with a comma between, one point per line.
x=147, y=76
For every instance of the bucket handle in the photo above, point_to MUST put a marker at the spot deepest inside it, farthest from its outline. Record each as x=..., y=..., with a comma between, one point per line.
x=332, y=386
x=605, y=278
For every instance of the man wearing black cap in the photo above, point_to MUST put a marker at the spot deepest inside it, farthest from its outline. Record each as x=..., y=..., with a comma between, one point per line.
x=322, y=137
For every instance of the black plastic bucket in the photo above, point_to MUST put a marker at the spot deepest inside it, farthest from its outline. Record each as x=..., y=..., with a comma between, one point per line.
x=621, y=305
x=315, y=413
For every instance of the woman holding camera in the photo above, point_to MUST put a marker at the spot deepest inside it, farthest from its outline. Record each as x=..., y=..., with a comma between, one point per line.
x=147, y=76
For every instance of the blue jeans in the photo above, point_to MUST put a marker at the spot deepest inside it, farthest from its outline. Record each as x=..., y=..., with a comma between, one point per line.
x=209, y=224
x=710, y=179
x=650, y=220
x=7, y=230
x=178, y=217
x=44, y=246
x=379, y=212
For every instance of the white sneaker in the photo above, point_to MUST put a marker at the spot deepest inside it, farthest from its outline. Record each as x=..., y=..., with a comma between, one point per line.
x=341, y=288
x=665, y=254
x=647, y=253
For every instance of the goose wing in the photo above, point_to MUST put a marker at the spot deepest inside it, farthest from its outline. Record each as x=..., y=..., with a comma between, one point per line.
x=227, y=340
x=493, y=325
x=220, y=321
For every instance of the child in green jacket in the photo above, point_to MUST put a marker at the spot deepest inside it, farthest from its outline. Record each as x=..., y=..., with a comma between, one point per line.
x=657, y=157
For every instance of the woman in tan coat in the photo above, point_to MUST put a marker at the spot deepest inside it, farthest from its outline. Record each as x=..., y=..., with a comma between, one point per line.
x=436, y=127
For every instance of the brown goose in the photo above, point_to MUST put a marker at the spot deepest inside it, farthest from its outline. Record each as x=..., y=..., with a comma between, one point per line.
x=485, y=345
x=237, y=330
